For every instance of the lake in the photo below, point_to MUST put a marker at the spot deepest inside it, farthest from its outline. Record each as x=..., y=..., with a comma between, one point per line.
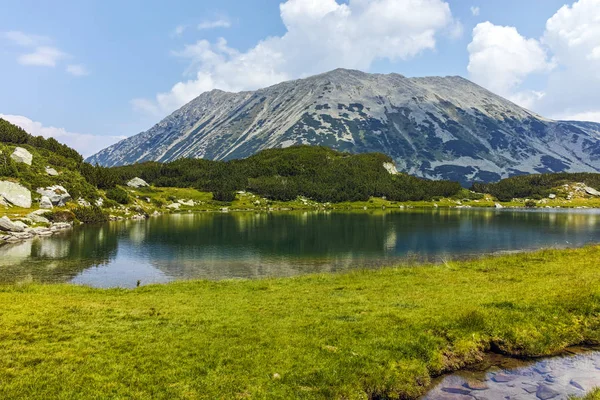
x=253, y=245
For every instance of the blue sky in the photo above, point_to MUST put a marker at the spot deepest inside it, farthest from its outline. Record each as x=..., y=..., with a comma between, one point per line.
x=90, y=72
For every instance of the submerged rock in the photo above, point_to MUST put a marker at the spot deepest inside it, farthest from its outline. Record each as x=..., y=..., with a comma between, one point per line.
x=21, y=155
x=16, y=194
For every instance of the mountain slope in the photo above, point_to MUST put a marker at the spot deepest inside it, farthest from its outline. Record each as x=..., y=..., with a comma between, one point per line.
x=435, y=127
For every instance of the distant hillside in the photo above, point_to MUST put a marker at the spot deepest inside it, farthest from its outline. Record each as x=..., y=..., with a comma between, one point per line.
x=317, y=173
x=47, y=155
x=434, y=127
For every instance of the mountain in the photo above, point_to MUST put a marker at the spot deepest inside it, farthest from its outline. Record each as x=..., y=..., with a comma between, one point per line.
x=434, y=127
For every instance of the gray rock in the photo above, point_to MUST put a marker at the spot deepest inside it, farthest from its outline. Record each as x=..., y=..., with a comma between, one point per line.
x=83, y=202
x=456, y=390
x=21, y=155
x=137, y=183
x=591, y=191
x=552, y=196
x=100, y=202
x=21, y=224
x=545, y=393
x=51, y=171
x=476, y=385
x=57, y=194
x=45, y=203
x=41, y=231
x=16, y=194
x=7, y=225
x=174, y=206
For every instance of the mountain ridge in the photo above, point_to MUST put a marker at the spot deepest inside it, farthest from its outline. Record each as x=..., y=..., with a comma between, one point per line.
x=433, y=127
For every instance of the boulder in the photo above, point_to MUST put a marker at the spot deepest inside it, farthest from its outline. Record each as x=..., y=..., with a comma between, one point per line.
x=45, y=203
x=189, y=203
x=15, y=194
x=137, y=183
x=21, y=224
x=51, y=171
x=591, y=191
x=83, y=202
x=498, y=205
x=174, y=206
x=38, y=217
x=58, y=195
x=7, y=225
x=552, y=196
x=21, y=155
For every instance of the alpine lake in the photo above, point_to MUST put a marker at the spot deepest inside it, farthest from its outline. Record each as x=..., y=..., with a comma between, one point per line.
x=249, y=245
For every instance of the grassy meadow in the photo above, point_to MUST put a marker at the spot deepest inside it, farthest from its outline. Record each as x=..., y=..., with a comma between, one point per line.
x=357, y=335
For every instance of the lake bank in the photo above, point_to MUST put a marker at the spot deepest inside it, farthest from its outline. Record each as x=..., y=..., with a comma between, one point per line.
x=350, y=335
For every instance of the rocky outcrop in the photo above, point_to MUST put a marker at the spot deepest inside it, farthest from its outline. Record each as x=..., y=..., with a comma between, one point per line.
x=57, y=195
x=16, y=194
x=21, y=155
x=137, y=183
x=38, y=217
x=7, y=225
x=390, y=167
x=29, y=233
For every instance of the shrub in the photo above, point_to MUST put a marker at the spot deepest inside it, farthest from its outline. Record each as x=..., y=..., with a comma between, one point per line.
x=157, y=202
x=530, y=204
x=224, y=196
x=117, y=194
x=90, y=215
x=60, y=216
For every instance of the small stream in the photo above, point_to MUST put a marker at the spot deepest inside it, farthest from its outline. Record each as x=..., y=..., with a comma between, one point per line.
x=500, y=378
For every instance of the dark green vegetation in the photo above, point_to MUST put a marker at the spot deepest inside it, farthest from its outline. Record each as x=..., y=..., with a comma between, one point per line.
x=534, y=186
x=369, y=334
x=318, y=173
x=10, y=133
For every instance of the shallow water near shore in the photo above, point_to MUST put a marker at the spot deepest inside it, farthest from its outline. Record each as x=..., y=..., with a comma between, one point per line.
x=253, y=245
x=503, y=378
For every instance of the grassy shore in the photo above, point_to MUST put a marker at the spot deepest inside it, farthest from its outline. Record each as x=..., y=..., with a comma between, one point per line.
x=359, y=335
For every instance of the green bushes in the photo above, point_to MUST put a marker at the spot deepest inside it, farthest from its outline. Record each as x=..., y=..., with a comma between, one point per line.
x=10, y=133
x=60, y=216
x=117, y=194
x=318, y=173
x=8, y=167
x=224, y=196
x=90, y=215
x=534, y=186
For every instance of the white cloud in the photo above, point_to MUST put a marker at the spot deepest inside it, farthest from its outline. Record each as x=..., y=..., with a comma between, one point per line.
x=25, y=39
x=593, y=116
x=84, y=143
x=77, y=70
x=475, y=11
x=321, y=35
x=569, y=52
x=44, y=56
x=500, y=58
x=216, y=23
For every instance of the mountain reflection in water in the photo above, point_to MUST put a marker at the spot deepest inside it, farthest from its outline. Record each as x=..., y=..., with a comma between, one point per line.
x=251, y=245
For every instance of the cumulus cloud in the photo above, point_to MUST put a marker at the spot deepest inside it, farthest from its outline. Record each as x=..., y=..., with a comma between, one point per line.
x=475, y=11
x=568, y=52
x=84, y=143
x=500, y=58
x=320, y=35
x=77, y=70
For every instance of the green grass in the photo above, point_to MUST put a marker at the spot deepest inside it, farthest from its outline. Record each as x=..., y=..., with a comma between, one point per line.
x=359, y=335
x=594, y=395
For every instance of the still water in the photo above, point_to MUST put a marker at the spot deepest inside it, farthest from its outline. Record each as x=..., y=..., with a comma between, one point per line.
x=253, y=245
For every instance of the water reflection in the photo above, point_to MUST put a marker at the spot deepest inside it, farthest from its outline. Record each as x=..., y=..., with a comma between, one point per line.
x=247, y=245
